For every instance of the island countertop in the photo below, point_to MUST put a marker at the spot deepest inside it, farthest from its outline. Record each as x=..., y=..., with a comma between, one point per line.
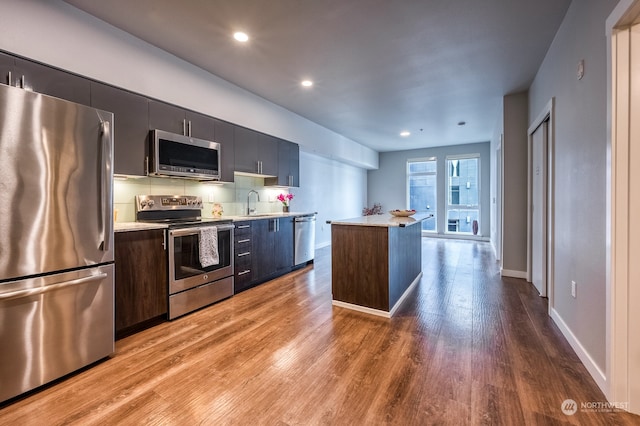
x=386, y=220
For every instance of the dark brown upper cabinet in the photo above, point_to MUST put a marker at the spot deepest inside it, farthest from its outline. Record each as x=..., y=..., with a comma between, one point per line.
x=288, y=165
x=224, y=135
x=171, y=118
x=7, y=64
x=51, y=81
x=255, y=152
x=131, y=126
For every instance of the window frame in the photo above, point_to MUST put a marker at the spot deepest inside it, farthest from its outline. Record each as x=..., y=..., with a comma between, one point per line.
x=447, y=188
x=408, y=177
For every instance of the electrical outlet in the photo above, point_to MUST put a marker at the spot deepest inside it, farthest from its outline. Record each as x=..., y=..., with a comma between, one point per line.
x=573, y=289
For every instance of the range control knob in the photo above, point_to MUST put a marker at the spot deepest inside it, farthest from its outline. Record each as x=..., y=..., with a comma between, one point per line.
x=150, y=203
x=143, y=203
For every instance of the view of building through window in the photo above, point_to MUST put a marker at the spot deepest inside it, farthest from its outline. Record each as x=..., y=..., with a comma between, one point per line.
x=463, y=195
x=422, y=189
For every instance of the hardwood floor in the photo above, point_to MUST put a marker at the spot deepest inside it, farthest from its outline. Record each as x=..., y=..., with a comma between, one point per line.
x=466, y=348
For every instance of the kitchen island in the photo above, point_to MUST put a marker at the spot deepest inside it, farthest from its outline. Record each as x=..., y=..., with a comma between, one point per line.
x=375, y=261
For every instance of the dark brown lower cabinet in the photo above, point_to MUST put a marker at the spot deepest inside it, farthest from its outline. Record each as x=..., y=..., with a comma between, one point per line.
x=263, y=250
x=141, y=280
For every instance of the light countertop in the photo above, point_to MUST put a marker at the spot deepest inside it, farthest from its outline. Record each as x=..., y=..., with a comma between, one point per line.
x=142, y=226
x=267, y=216
x=386, y=220
x=137, y=226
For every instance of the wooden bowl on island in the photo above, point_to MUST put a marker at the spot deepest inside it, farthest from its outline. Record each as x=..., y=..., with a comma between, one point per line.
x=402, y=213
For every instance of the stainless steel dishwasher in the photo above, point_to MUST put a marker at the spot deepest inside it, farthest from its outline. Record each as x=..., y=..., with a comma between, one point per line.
x=305, y=239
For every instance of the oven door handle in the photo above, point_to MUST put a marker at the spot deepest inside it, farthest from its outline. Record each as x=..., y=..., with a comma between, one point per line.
x=196, y=230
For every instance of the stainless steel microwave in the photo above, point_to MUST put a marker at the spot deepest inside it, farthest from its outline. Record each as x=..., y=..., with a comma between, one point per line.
x=177, y=155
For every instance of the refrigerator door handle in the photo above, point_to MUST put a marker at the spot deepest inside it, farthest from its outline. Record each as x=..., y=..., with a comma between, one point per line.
x=40, y=290
x=107, y=187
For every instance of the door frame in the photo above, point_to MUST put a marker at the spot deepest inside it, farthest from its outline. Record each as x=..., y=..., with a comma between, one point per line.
x=623, y=368
x=499, y=197
x=547, y=113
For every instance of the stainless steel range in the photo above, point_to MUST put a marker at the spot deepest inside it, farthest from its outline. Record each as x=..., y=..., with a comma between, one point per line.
x=200, y=251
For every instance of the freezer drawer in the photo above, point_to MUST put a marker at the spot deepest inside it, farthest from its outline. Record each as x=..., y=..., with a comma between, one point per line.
x=53, y=325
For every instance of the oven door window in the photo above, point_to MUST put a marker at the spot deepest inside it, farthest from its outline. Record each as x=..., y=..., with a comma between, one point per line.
x=187, y=256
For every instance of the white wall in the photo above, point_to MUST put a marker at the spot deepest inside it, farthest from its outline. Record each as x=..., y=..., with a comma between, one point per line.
x=580, y=173
x=57, y=34
x=334, y=190
x=388, y=184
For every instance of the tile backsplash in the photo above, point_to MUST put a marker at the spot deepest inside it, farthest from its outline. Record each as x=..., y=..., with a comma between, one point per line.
x=232, y=196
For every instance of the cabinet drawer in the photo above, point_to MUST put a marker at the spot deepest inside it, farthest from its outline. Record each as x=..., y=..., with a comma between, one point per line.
x=242, y=280
x=242, y=230
x=242, y=262
x=242, y=244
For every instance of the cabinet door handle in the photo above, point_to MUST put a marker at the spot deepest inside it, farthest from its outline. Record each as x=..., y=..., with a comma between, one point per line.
x=246, y=271
x=243, y=226
x=164, y=241
x=184, y=127
x=9, y=78
x=244, y=241
x=246, y=253
x=189, y=128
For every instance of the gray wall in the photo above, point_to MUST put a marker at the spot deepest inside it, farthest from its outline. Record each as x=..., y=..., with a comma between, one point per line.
x=514, y=151
x=388, y=184
x=580, y=168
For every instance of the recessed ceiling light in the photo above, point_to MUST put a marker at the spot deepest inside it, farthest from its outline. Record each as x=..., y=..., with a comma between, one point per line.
x=405, y=133
x=307, y=83
x=241, y=37
x=461, y=123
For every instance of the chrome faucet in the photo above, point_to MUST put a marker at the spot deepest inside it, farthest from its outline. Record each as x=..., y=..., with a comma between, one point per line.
x=249, y=210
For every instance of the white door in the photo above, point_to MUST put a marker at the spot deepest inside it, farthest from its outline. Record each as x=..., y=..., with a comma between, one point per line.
x=539, y=208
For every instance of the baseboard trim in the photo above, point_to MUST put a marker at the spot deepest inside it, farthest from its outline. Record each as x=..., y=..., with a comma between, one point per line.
x=405, y=294
x=324, y=244
x=379, y=312
x=596, y=373
x=513, y=274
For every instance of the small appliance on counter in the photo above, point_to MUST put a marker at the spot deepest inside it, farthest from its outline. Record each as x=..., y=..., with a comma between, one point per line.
x=200, y=251
x=56, y=250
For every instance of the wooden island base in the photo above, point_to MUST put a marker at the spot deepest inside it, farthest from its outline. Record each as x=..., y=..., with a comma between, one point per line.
x=375, y=262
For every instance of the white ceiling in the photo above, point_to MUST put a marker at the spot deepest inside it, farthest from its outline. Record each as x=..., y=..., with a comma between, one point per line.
x=379, y=66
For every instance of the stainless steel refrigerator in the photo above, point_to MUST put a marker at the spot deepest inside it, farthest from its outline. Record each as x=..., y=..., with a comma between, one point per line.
x=56, y=238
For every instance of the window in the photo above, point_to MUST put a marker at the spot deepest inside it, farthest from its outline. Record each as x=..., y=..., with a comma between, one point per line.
x=463, y=194
x=422, y=189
